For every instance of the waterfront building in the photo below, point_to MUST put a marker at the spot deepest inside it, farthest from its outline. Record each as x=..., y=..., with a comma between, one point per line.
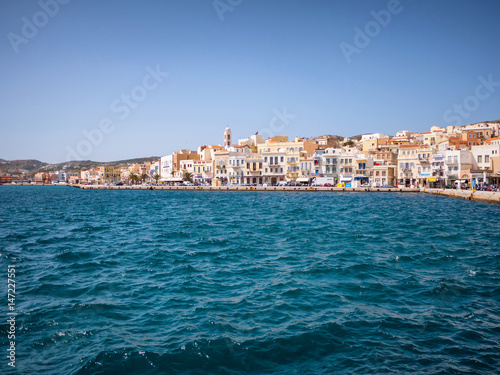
x=88, y=176
x=254, y=165
x=185, y=166
x=154, y=168
x=438, y=178
x=167, y=167
x=414, y=164
x=329, y=163
x=482, y=163
x=495, y=170
x=306, y=163
x=347, y=165
x=108, y=174
x=293, y=150
x=364, y=163
x=458, y=164
x=220, y=166
x=181, y=155
x=202, y=171
x=317, y=163
x=383, y=169
x=236, y=162
x=275, y=165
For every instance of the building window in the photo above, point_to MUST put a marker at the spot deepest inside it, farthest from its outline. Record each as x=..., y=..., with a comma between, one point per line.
x=479, y=158
x=486, y=158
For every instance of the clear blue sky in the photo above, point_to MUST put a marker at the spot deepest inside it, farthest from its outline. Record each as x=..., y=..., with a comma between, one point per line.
x=236, y=65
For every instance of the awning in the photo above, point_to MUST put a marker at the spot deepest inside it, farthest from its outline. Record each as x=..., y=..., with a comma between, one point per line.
x=302, y=179
x=431, y=179
x=345, y=179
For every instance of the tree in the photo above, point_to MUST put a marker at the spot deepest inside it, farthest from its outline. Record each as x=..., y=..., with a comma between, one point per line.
x=187, y=176
x=144, y=177
x=156, y=177
x=133, y=177
x=349, y=143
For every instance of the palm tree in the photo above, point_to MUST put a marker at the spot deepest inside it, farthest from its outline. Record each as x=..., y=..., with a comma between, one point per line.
x=144, y=177
x=133, y=177
x=156, y=177
x=187, y=176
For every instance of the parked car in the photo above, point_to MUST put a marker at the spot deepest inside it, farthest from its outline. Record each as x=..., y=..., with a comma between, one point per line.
x=386, y=186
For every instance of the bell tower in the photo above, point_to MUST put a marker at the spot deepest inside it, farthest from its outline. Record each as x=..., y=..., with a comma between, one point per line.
x=227, y=137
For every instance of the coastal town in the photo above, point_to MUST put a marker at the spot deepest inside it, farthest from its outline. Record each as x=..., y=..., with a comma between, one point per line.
x=462, y=157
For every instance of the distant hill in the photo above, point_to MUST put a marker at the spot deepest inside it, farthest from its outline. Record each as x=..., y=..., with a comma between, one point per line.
x=35, y=166
x=356, y=137
x=29, y=165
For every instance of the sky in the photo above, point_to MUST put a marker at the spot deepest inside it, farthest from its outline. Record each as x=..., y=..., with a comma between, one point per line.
x=112, y=80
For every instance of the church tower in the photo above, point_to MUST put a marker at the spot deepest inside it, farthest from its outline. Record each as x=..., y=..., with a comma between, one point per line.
x=227, y=137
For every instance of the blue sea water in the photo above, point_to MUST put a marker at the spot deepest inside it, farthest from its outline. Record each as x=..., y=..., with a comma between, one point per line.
x=168, y=282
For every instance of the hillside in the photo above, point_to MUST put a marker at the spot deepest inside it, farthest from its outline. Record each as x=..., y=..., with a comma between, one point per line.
x=35, y=166
x=29, y=165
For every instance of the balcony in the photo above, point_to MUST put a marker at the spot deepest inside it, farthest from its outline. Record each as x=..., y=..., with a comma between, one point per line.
x=251, y=172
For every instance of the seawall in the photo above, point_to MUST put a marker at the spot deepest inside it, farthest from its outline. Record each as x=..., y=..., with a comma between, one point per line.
x=248, y=188
x=472, y=195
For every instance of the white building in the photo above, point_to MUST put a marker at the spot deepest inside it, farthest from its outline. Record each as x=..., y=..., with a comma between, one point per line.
x=275, y=166
x=370, y=137
x=166, y=167
x=236, y=162
x=458, y=166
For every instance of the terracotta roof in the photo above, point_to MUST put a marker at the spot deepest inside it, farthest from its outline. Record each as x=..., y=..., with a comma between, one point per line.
x=417, y=145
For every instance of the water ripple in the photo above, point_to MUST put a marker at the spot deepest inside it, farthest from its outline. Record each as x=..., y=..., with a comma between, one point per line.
x=154, y=282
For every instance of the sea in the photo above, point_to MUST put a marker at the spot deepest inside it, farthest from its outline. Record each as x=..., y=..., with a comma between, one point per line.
x=206, y=282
